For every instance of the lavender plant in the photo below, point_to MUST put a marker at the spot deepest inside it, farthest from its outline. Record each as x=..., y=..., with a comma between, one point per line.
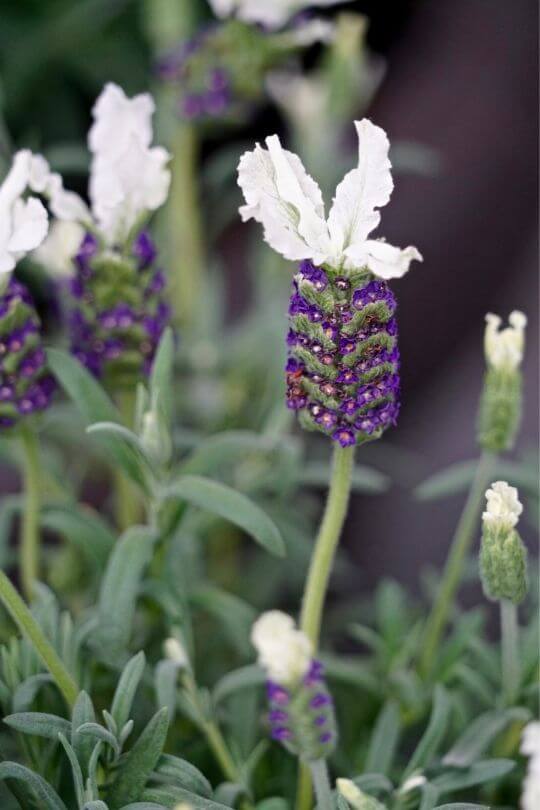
x=167, y=682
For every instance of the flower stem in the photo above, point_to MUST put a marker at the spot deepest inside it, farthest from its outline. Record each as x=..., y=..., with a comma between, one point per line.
x=184, y=224
x=127, y=501
x=321, y=783
x=327, y=540
x=28, y=626
x=455, y=562
x=319, y=572
x=29, y=545
x=510, y=651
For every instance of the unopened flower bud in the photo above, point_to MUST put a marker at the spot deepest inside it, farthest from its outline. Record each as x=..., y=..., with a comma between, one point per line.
x=176, y=652
x=503, y=556
x=301, y=708
x=155, y=438
x=500, y=406
x=355, y=797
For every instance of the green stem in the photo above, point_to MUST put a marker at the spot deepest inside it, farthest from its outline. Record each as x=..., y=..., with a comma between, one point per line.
x=461, y=544
x=28, y=626
x=213, y=735
x=510, y=651
x=321, y=784
x=127, y=499
x=29, y=547
x=184, y=224
x=319, y=572
x=327, y=540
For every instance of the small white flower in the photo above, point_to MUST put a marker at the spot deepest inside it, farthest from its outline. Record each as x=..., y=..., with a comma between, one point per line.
x=503, y=507
x=288, y=203
x=270, y=13
x=504, y=347
x=284, y=652
x=23, y=223
x=128, y=177
x=175, y=652
x=57, y=251
x=530, y=746
x=350, y=792
x=118, y=119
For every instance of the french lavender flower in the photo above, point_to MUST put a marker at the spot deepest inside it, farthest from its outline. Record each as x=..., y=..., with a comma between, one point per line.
x=117, y=309
x=343, y=367
x=500, y=406
x=220, y=71
x=503, y=556
x=530, y=747
x=301, y=712
x=26, y=387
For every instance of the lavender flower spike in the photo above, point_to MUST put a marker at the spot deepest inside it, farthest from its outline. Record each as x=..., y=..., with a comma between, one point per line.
x=343, y=367
x=301, y=713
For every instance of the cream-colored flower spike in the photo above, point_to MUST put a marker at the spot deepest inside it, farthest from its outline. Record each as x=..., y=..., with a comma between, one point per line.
x=271, y=13
x=504, y=347
x=284, y=652
x=503, y=507
x=23, y=222
x=288, y=203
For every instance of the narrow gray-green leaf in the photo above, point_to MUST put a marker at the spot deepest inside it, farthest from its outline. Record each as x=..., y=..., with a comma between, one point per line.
x=237, y=680
x=121, y=583
x=96, y=732
x=39, y=724
x=479, y=735
x=126, y=688
x=184, y=774
x=134, y=770
x=83, y=712
x=384, y=738
x=227, y=503
x=75, y=769
x=26, y=691
x=49, y=799
x=478, y=774
x=170, y=796
x=434, y=733
x=161, y=375
x=83, y=527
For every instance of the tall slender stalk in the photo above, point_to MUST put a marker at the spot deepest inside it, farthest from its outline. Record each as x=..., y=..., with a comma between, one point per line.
x=326, y=543
x=28, y=626
x=453, y=571
x=29, y=544
x=510, y=651
x=319, y=572
x=127, y=500
x=321, y=784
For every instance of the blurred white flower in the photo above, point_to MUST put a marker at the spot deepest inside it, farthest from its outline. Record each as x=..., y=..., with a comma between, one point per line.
x=284, y=652
x=119, y=119
x=288, y=203
x=270, y=13
x=128, y=177
x=23, y=223
x=503, y=507
x=504, y=347
x=355, y=797
x=530, y=746
x=57, y=251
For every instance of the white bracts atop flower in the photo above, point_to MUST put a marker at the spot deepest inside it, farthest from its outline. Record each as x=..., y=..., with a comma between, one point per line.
x=23, y=222
x=57, y=251
x=128, y=177
x=288, y=203
x=503, y=507
x=284, y=652
x=504, y=347
x=530, y=747
x=270, y=13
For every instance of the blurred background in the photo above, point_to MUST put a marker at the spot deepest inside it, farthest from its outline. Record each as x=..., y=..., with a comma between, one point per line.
x=454, y=83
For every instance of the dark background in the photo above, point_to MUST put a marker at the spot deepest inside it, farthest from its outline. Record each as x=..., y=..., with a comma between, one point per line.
x=462, y=79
